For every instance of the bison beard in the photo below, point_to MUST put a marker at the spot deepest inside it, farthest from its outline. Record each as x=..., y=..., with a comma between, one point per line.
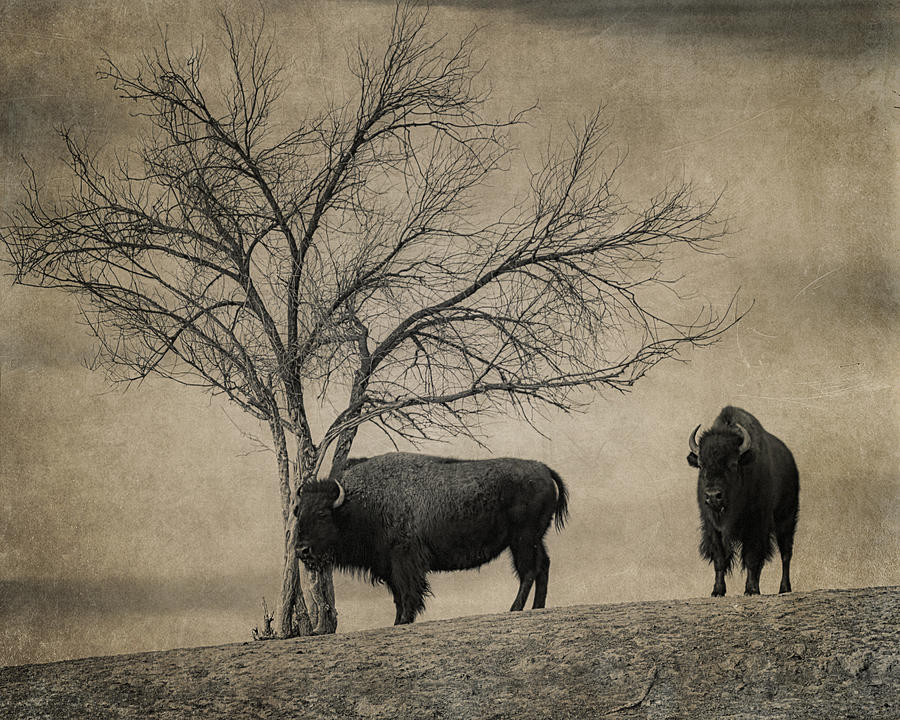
x=748, y=492
x=397, y=517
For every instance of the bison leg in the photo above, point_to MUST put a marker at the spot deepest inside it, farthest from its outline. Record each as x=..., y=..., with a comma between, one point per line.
x=398, y=603
x=785, y=526
x=408, y=606
x=540, y=582
x=398, y=616
x=525, y=561
x=784, y=533
x=753, y=558
x=409, y=587
x=714, y=548
x=751, y=587
x=721, y=568
x=785, y=586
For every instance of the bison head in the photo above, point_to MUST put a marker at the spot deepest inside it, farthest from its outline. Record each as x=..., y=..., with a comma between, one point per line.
x=318, y=532
x=718, y=457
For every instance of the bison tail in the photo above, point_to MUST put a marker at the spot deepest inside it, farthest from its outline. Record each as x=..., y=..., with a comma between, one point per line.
x=562, y=501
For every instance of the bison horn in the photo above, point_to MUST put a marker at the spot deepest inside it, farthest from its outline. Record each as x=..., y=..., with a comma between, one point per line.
x=340, y=498
x=745, y=442
x=693, y=442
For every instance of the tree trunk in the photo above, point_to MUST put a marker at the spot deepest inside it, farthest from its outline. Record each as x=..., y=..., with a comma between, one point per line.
x=294, y=618
x=307, y=598
x=319, y=589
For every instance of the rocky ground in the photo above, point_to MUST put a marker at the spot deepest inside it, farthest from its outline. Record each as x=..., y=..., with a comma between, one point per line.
x=825, y=654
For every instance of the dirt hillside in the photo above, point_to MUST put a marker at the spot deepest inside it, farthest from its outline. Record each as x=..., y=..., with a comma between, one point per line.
x=823, y=654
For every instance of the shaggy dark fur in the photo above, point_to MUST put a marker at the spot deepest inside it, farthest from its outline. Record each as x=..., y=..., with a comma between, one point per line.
x=745, y=499
x=405, y=515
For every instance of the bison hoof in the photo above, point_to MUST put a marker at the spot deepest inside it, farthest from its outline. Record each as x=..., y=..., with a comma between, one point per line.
x=748, y=591
x=718, y=592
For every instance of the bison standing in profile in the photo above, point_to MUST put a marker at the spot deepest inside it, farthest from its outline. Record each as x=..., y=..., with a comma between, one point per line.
x=399, y=516
x=748, y=492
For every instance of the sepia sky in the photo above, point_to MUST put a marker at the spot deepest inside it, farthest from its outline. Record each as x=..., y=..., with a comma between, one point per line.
x=147, y=519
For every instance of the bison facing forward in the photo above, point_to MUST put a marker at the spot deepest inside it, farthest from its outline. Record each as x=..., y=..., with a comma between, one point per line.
x=399, y=516
x=748, y=492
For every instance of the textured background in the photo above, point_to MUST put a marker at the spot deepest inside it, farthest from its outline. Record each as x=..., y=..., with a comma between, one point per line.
x=138, y=520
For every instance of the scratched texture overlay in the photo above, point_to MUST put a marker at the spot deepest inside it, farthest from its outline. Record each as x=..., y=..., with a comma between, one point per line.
x=144, y=519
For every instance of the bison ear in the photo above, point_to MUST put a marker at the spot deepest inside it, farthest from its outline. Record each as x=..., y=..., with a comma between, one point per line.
x=692, y=460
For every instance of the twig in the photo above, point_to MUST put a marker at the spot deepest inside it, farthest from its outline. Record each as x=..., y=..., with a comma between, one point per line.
x=638, y=702
x=267, y=633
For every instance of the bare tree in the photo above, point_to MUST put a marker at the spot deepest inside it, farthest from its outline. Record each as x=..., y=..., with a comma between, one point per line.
x=344, y=259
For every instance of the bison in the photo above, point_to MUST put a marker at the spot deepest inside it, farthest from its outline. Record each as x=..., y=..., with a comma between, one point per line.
x=748, y=492
x=396, y=517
